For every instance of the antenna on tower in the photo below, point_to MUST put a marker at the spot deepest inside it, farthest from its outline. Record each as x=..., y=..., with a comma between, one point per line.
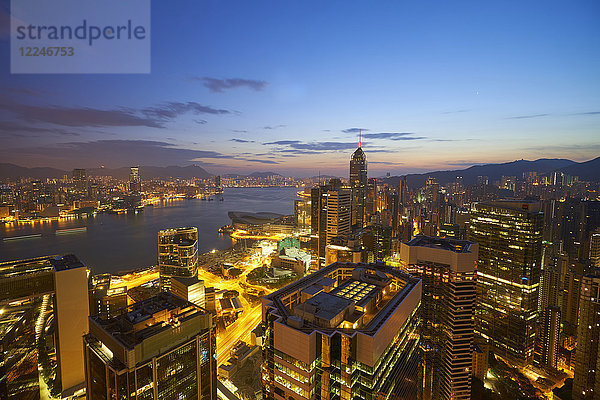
x=360, y=138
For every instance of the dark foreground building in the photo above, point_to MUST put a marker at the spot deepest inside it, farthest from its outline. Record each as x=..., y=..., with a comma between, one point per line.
x=160, y=348
x=347, y=331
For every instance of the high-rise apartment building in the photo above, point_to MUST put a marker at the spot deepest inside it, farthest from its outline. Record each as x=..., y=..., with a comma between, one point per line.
x=358, y=184
x=586, y=381
x=44, y=303
x=177, y=254
x=595, y=248
x=135, y=180
x=160, y=348
x=509, y=234
x=447, y=270
x=346, y=331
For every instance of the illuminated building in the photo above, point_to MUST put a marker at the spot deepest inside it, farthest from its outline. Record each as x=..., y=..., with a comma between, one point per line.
x=177, y=254
x=103, y=298
x=135, y=181
x=160, y=348
x=371, y=199
x=358, y=184
x=325, y=223
x=586, y=385
x=338, y=214
x=595, y=248
x=44, y=309
x=447, y=270
x=190, y=289
x=80, y=181
x=343, y=250
x=346, y=331
x=509, y=234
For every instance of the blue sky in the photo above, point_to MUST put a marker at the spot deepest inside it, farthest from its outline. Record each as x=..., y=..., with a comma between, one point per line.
x=283, y=86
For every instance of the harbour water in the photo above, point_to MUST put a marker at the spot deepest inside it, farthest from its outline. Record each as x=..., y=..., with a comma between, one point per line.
x=112, y=243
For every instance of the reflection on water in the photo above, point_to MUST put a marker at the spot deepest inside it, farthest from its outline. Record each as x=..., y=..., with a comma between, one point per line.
x=115, y=242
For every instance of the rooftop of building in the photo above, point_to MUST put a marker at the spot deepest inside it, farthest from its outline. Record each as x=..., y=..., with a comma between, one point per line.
x=190, y=281
x=457, y=246
x=137, y=322
x=10, y=269
x=382, y=286
x=522, y=205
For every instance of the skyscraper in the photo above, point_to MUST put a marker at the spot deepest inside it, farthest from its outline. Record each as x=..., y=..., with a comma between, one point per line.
x=80, y=180
x=44, y=303
x=358, y=184
x=347, y=331
x=509, y=234
x=325, y=223
x=586, y=382
x=177, y=254
x=135, y=181
x=160, y=348
x=447, y=270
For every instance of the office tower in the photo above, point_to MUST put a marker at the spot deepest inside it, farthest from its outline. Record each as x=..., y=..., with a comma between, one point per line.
x=586, y=386
x=325, y=224
x=371, y=201
x=447, y=270
x=160, y=348
x=338, y=214
x=377, y=240
x=44, y=303
x=595, y=248
x=135, y=181
x=358, y=184
x=509, y=234
x=190, y=289
x=80, y=180
x=103, y=298
x=346, y=331
x=177, y=254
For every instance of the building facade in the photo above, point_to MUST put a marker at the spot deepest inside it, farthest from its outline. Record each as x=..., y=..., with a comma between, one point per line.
x=447, y=270
x=509, y=234
x=346, y=331
x=177, y=254
x=160, y=348
x=358, y=184
x=44, y=303
x=586, y=382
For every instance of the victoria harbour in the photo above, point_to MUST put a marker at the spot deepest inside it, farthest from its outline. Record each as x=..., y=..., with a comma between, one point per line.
x=113, y=243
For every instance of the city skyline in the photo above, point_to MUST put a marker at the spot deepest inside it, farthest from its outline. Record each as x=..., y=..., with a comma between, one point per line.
x=283, y=88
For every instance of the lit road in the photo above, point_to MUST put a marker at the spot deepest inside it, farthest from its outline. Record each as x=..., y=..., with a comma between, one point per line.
x=134, y=279
x=239, y=330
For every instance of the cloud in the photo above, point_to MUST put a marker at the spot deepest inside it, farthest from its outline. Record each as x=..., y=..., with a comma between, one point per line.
x=111, y=153
x=386, y=162
x=241, y=141
x=262, y=161
x=152, y=117
x=15, y=128
x=528, y=116
x=200, y=121
x=587, y=113
x=239, y=131
x=274, y=127
x=283, y=142
x=393, y=136
x=220, y=85
x=354, y=130
x=456, y=112
x=324, y=146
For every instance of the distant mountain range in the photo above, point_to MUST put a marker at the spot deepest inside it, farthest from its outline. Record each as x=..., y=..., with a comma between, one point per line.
x=589, y=171
x=11, y=171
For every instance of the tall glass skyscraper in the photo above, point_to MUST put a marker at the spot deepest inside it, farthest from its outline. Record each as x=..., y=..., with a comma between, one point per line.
x=509, y=233
x=177, y=254
x=358, y=184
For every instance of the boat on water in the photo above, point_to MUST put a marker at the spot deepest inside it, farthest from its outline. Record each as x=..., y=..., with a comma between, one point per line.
x=71, y=230
x=23, y=237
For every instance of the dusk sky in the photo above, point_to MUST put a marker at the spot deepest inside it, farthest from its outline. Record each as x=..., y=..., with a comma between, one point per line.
x=242, y=86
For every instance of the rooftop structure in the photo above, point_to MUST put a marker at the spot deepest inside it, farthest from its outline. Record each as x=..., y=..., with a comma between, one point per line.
x=366, y=311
